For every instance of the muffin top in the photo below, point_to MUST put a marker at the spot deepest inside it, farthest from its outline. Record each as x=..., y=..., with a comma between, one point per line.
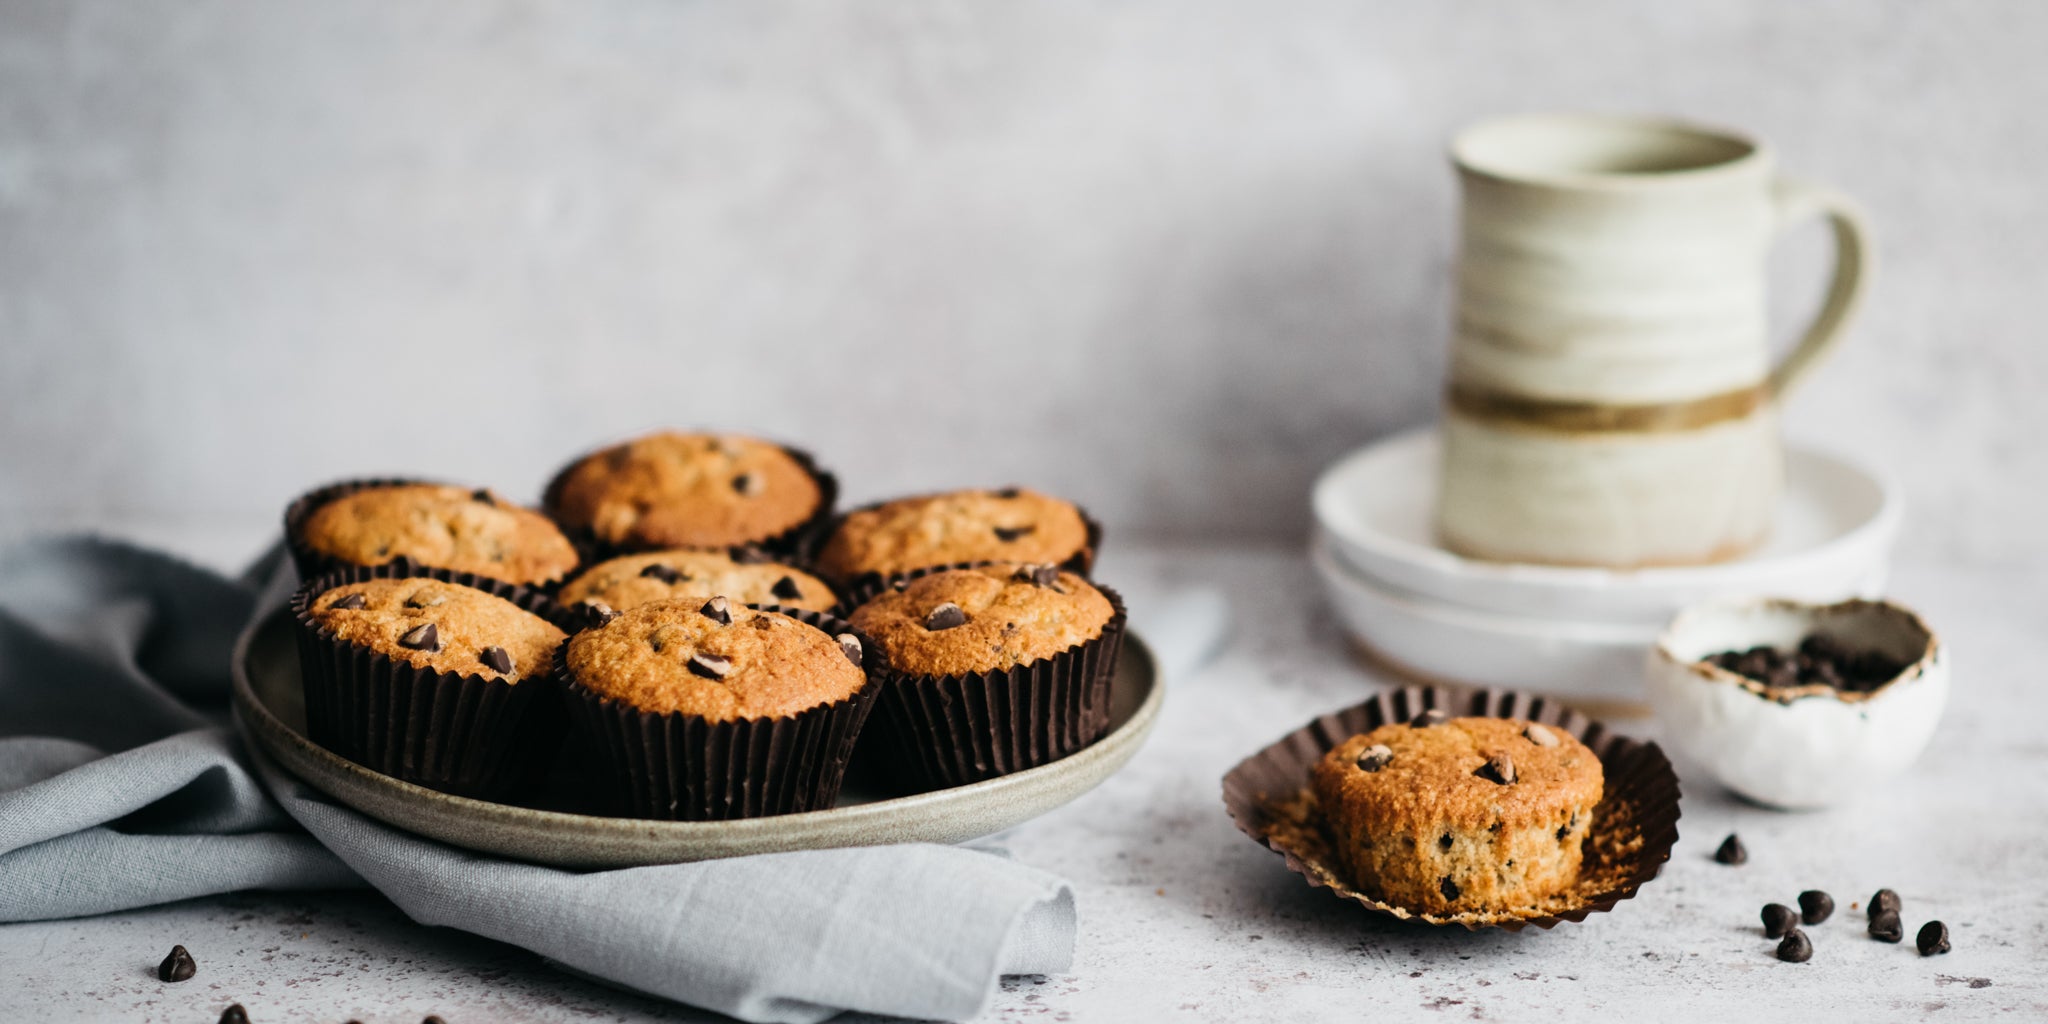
x=674, y=490
x=1452, y=773
x=715, y=659
x=634, y=580
x=442, y=526
x=985, y=618
x=1013, y=524
x=445, y=627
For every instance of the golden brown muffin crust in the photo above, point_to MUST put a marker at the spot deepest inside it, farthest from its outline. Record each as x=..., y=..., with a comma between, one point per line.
x=634, y=580
x=767, y=665
x=687, y=490
x=467, y=624
x=441, y=526
x=1009, y=618
x=1434, y=774
x=1013, y=524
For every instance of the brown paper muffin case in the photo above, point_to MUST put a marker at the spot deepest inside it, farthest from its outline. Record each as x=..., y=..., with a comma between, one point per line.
x=799, y=541
x=1633, y=830
x=934, y=732
x=312, y=563
x=863, y=587
x=681, y=767
x=464, y=734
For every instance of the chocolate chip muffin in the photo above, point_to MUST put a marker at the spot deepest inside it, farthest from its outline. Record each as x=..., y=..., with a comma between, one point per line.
x=998, y=667
x=1460, y=815
x=677, y=490
x=1012, y=524
x=633, y=580
x=434, y=525
x=706, y=709
x=440, y=680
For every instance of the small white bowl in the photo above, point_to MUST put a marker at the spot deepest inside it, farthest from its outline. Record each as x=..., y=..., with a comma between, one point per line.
x=1831, y=540
x=1808, y=746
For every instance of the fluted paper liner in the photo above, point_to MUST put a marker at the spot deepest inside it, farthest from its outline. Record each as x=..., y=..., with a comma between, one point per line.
x=677, y=767
x=471, y=735
x=935, y=732
x=862, y=586
x=798, y=541
x=312, y=562
x=1634, y=826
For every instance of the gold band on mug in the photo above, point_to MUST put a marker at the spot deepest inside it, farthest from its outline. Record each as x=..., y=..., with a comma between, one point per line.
x=1494, y=407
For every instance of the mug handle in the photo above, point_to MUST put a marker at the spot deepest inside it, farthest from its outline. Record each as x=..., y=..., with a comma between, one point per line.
x=1797, y=202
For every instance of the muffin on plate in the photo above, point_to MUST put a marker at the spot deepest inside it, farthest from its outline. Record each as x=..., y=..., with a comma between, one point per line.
x=439, y=526
x=438, y=680
x=1446, y=816
x=706, y=709
x=678, y=490
x=998, y=667
x=1012, y=524
x=633, y=580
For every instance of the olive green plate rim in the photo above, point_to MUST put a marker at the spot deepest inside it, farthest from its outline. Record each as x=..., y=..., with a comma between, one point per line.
x=563, y=839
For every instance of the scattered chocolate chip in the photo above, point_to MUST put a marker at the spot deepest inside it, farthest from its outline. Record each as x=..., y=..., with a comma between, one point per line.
x=433, y=1018
x=1795, y=948
x=710, y=666
x=1731, y=851
x=1008, y=492
x=666, y=573
x=1881, y=901
x=851, y=645
x=1779, y=919
x=719, y=609
x=1540, y=736
x=596, y=613
x=1815, y=906
x=1933, y=939
x=349, y=603
x=1448, y=888
x=497, y=659
x=1885, y=926
x=748, y=554
x=1433, y=716
x=945, y=616
x=234, y=1015
x=1499, y=768
x=423, y=637
x=1007, y=534
x=747, y=484
x=787, y=589
x=177, y=967
x=1375, y=757
x=483, y=495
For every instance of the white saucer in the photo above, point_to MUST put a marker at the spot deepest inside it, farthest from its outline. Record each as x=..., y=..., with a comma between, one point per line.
x=1832, y=541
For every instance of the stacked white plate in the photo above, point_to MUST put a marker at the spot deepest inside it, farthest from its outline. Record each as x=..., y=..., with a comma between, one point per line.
x=1431, y=614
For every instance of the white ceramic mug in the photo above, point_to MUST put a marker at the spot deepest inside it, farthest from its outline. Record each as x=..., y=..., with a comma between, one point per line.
x=1611, y=397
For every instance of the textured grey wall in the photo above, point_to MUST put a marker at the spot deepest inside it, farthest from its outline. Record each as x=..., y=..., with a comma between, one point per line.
x=1169, y=257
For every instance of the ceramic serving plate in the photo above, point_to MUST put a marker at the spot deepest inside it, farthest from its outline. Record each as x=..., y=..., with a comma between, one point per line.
x=270, y=710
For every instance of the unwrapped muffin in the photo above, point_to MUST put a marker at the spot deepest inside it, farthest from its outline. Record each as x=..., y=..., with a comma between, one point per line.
x=678, y=490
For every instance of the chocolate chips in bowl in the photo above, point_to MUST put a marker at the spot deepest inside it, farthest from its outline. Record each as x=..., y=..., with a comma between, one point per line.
x=1798, y=705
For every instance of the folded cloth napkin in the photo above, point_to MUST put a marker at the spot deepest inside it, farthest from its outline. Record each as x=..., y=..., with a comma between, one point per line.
x=121, y=786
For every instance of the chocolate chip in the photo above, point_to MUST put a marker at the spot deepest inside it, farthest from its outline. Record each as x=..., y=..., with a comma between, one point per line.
x=851, y=645
x=349, y=603
x=719, y=609
x=749, y=554
x=1881, y=901
x=710, y=666
x=1779, y=919
x=433, y=1018
x=945, y=616
x=1815, y=906
x=1540, y=736
x=596, y=613
x=1448, y=888
x=1933, y=939
x=1007, y=534
x=1566, y=828
x=1731, y=851
x=177, y=967
x=1046, y=575
x=787, y=589
x=483, y=495
x=496, y=659
x=1433, y=716
x=234, y=1015
x=1375, y=757
x=666, y=573
x=1008, y=492
x=1795, y=948
x=747, y=484
x=424, y=599
x=1499, y=768
x=423, y=637
x=1885, y=926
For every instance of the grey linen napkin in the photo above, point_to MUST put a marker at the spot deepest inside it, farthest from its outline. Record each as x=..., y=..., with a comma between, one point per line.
x=122, y=786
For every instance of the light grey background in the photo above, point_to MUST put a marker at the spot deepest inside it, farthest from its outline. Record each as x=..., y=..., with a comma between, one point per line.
x=1167, y=257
